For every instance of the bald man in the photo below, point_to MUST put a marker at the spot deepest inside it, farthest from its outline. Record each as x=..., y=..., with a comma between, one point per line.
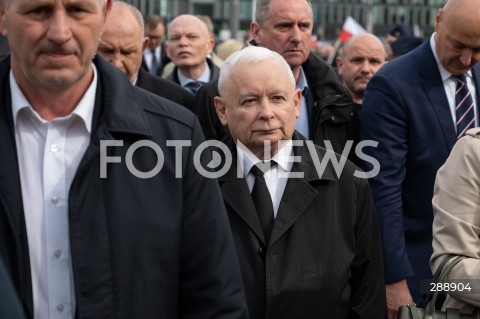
x=122, y=44
x=188, y=45
x=362, y=56
x=410, y=108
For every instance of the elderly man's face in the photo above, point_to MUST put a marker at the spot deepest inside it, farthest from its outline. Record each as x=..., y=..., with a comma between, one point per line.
x=52, y=42
x=287, y=30
x=457, y=38
x=122, y=42
x=260, y=104
x=188, y=42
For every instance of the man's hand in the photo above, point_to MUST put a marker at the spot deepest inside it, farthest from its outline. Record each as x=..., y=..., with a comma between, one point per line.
x=397, y=295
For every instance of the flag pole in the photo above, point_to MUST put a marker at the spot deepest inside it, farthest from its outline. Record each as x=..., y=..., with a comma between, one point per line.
x=334, y=52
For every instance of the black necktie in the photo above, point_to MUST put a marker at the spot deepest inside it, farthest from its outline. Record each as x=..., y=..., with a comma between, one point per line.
x=154, y=66
x=194, y=86
x=463, y=106
x=263, y=202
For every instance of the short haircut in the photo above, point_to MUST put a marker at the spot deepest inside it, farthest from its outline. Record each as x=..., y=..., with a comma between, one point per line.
x=262, y=7
x=250, y=55
x=136, y=13
x=153, y=21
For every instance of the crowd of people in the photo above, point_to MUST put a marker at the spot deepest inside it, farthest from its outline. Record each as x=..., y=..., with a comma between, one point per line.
x=146, y=174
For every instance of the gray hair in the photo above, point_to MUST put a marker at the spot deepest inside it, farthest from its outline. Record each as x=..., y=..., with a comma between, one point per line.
x=250, y=55
x=136, y=13
x=262, y=10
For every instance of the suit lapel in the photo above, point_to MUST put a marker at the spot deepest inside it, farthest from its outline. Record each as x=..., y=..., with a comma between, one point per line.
x=433, y=86
x=476, y=79
x=237, y=195
x=11, y=202
x=299, y=192
x=10, y=189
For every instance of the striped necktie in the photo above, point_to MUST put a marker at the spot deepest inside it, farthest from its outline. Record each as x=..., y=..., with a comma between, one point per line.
x=464, y=107
x=194, y=86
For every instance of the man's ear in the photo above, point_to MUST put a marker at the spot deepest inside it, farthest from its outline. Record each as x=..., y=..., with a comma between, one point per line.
x=297, y=99
x=220, y=109
x=3, y=30
x=106, y=10
x=145, y=43
x=339, y=61
x=255, y=30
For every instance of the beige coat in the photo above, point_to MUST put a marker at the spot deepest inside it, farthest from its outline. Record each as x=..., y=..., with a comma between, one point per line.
x=456, y=225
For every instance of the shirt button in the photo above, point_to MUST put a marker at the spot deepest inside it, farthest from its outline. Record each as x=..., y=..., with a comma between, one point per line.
x=54, y=200
x=54, y=148
x=60, y=308
x=57, y=254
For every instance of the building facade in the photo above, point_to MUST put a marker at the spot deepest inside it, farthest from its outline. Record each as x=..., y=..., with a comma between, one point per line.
x=376, y=16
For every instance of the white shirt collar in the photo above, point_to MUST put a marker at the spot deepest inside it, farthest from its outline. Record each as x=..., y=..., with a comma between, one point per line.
x=84, y=109
x=283, y=157
x=205, y=77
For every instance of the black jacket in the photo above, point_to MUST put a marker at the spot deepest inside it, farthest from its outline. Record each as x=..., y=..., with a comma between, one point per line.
x=324, y=256
x=141, y=248
x=331, y=103
x=164, y=88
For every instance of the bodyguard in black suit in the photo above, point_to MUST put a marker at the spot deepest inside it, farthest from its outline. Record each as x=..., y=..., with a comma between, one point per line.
x=122, y=44
x=109, y=228
x=313, y=250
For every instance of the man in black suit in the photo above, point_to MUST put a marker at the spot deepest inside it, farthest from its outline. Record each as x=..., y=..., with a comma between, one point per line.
x=102, y=213
x=285, y=222
x=122, y=44
x=155, y=57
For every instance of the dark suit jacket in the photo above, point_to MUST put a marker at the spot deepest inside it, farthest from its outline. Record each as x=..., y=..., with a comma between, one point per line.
x=141, y=248
x=324, y=257
x=164, y=88
x=405, y=109
x=164, y=60
x=10, y=306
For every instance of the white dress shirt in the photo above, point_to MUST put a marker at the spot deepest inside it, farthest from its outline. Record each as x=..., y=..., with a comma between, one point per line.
x=48, y=157
x=148, y=54
x=450, y=85
x=276, y=176
x=204, y=77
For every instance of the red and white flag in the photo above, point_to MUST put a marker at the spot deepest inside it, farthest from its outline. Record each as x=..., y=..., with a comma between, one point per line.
x=350, y=27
